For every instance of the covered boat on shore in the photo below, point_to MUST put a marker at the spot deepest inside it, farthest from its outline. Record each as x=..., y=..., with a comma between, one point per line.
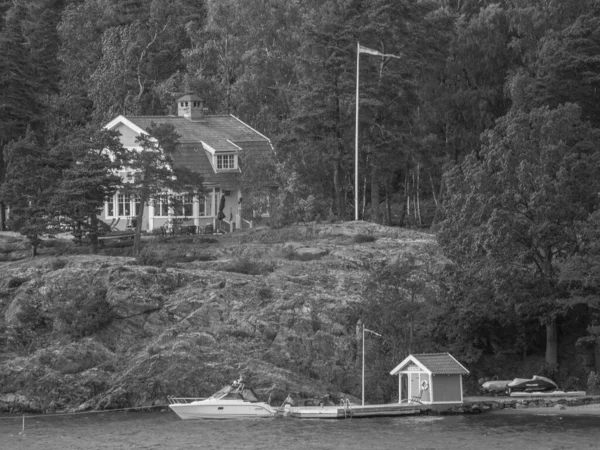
x=519, y=385
x=235, y=401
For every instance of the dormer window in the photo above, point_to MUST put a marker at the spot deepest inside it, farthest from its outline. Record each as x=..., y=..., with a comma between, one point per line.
x=226, y=161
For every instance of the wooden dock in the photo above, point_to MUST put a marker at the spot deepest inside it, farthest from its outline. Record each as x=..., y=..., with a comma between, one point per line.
x=352, y=411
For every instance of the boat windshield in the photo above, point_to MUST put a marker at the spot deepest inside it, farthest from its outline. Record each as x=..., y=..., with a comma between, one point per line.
x=222, y=393
x=249, y=395
x=235, y=392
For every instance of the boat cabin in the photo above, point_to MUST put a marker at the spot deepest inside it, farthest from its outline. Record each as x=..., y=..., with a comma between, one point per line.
x=430, y=378
x=239, y=392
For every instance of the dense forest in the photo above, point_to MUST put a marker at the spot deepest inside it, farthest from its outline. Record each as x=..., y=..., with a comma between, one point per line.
x=485, y=129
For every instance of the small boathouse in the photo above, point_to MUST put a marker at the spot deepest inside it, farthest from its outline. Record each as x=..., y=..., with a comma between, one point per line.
x=430, y=378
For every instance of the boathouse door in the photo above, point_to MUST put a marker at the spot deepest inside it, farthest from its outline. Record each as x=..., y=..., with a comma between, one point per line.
x=403, y=387
x=414, y=384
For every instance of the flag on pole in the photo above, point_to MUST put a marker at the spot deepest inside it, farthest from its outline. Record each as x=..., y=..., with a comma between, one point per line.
x=370, y=51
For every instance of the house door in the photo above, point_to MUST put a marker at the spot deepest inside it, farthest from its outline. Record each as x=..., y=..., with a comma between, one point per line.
x=403, y=387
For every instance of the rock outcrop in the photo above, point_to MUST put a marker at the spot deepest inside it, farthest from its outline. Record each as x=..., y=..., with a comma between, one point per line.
x=101, y=332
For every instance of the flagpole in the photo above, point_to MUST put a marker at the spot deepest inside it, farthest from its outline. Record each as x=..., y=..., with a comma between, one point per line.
x=369, y=51
x=363, y=360
x=356, y=135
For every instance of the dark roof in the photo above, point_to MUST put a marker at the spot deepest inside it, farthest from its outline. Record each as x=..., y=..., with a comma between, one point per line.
x=216, y=131
x=221, y=133
x=441, y=363
x=194, y=157
x=188, y=97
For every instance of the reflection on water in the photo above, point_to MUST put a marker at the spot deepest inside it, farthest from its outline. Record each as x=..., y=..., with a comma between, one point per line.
x=165, y=430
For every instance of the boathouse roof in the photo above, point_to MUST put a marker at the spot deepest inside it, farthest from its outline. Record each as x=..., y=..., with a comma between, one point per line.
x=433, y=363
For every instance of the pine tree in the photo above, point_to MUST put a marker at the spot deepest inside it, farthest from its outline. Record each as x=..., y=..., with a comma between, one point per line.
x=89, y=178
x=27, y=188
x=19, y=107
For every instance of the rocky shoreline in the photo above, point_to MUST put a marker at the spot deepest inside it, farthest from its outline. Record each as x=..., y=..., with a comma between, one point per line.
x=474, y=405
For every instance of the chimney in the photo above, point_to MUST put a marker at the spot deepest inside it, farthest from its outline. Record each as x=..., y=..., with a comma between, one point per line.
x=190, y=106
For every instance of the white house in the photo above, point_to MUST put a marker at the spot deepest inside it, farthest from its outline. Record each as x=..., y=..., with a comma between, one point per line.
x=208, y=144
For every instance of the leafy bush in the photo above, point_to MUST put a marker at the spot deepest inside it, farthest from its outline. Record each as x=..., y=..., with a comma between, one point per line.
x=80, y=312
x=206, y=240
x=153, y=350
x=265, y=292
x=58, y=264
x=293, y=255
x=362, y=238
x=593, y=383
x=249, y=266
x=149, y=257
x=15, y=282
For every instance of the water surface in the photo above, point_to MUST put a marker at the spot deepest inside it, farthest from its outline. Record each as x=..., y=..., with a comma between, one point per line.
x=548, y=431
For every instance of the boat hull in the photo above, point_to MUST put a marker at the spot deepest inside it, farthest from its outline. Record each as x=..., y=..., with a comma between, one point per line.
x=222, y=410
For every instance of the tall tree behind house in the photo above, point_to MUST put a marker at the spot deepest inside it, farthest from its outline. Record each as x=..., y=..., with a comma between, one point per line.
x=19, y=106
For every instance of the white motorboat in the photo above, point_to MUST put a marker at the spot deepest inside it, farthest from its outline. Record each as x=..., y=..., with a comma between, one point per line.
x=232, y=402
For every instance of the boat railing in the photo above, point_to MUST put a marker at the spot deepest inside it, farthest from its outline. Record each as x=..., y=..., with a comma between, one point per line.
x=175, y=400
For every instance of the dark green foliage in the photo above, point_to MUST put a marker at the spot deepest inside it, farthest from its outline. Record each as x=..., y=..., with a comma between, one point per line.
x=80, y=312
x=265, y=293
x=569, y=69
x=89, y=159
x=58, y=264
x=292, y=254
x=149, y=257
x=515, y=214
x=28, y=187
x=249, y=266
x=362, y=238
x=19, y=107
x=15, y=282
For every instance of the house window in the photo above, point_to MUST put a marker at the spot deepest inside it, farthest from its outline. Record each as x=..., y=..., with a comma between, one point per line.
x=225, y=161
x=181, y=205
x=161, y=206
x=122, y=205
x=185, y=206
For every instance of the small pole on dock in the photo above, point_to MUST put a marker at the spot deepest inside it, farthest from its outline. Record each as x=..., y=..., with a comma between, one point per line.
x=363, y=359
x=23, y=427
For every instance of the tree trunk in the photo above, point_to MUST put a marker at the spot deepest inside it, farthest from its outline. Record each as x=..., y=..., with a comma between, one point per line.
x=388, y=203
x=339, y=195
x=137, y=238
x=375, y=194
x=364, y=202
x=551, y=344
x=418, y=198
x=2, y=216
x=403, y=206
x=597, y=357
x=93, y=234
